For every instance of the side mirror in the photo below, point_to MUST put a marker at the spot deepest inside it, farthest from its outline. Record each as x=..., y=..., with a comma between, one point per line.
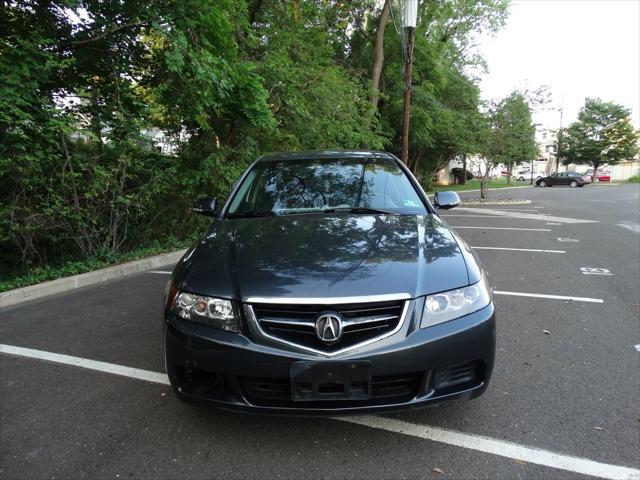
x=205, y=206
x=446, y=200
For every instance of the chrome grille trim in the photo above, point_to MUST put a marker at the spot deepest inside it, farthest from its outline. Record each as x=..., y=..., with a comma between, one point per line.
x=285, y=321
x=251, y=317
x=328, y=300
x=370, y=319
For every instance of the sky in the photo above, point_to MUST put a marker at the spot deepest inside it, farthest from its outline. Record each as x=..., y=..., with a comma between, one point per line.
x=579, y=48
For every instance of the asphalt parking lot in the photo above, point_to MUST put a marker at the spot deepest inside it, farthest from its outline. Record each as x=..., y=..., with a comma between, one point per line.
x=564, y=401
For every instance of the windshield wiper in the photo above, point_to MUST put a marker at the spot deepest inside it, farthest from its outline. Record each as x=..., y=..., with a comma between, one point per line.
x=379, y=211
x=252, y=214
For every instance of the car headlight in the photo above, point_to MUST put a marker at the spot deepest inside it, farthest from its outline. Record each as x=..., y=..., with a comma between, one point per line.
x=215, y=312
x=445, y=306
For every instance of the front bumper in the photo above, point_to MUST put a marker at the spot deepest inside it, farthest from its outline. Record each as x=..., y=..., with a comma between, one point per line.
x=413, y=368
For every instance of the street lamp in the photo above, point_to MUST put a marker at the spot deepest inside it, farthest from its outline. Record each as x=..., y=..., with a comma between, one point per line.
x=410, y=14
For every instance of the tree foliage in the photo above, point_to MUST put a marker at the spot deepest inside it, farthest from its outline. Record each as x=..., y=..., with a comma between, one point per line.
x=603, y=134
x=84, y=81
x=512, y=134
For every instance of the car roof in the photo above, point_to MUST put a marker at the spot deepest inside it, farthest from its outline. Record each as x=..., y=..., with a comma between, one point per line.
x=324, y=154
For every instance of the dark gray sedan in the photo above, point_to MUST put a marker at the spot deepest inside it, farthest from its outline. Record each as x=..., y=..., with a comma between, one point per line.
x=327, y=283
x=571, y=179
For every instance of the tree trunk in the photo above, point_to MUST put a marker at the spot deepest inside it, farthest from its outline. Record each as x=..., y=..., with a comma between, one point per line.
x=413, y=165
x=296, y=10
x=378, y=61
x=463, y=180
x=596, y=166
x=484, y=183
x=484, y=188
x=95, y=118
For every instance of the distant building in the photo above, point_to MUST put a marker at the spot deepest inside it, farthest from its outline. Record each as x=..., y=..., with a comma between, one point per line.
x=158, y=140
x=547, y=141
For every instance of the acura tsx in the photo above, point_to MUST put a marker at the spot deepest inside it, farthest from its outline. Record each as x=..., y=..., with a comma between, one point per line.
x=328, y=283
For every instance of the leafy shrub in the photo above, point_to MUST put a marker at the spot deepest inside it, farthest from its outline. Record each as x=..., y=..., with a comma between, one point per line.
x=460, y=173
x=634, y=179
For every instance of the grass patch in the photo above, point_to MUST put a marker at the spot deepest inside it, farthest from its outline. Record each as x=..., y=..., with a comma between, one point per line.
x=475, y=185
x=17, y=279
x=634, y=179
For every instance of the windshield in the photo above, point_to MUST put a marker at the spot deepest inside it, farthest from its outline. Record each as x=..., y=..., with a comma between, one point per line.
x=308, y=186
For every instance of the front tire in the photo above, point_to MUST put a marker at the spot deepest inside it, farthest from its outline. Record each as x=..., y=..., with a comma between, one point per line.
x=596, y=180
x=573, y=184
x=543, y=183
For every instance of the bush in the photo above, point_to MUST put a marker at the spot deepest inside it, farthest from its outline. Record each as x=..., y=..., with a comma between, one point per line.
x=634, y=179
x=460, y=173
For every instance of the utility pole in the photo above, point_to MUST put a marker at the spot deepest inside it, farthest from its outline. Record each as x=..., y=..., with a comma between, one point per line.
x=559, y=139
x=409, y=20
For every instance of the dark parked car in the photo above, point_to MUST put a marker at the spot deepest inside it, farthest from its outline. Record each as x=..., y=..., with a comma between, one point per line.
x=327, y=283
x=572, y=179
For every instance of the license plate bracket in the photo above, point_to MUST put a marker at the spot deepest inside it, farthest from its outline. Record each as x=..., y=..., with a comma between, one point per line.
x=313, y=381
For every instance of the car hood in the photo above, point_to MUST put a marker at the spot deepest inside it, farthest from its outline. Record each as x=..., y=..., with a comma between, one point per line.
x=316, y=256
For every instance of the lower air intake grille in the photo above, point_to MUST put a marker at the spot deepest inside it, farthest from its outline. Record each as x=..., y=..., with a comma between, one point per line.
x=386, y=389
x=458, y=375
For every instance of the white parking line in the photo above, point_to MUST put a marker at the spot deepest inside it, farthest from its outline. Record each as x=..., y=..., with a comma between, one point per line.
x=86, y=363
x=519, y=249
x=160, y=271
x=506, y=228
x=450, y=437
x=595, y=271
x=555, y=297
x=497, y=447
x=634, y=227
x=530, y=216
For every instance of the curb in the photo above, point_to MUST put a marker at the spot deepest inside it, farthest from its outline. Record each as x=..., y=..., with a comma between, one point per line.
x=490, y=189
x=32, y=292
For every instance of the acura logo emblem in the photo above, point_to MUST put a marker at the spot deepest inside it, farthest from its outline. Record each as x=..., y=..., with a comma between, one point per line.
x=329, y=327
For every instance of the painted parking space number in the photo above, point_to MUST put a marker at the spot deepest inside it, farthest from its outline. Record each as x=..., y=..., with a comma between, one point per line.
x=595, y=271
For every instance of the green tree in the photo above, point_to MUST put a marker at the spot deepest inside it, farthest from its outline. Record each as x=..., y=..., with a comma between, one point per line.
x=445, y=96
x=83, y=80
x=316, y=100
x=224, y=81
x=510, y=138
x=603, y=134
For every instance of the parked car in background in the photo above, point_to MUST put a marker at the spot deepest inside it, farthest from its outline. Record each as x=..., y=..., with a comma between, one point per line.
x=601, y=176
x=525, y=175
x=572, y=179
x=328, y=283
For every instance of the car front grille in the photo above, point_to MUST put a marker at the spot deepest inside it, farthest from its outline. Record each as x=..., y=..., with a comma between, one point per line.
x=387, y=389
x=295, y=323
